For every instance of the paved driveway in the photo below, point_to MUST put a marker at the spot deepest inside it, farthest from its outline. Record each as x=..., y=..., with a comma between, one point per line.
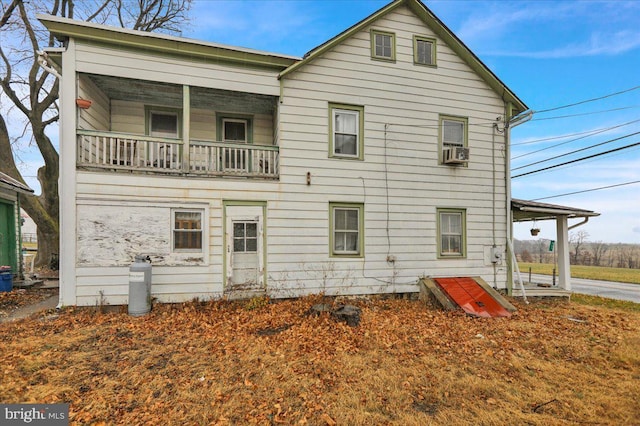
x=610, y=289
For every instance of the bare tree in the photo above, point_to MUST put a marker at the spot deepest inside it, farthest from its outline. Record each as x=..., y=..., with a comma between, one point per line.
x=578, y=239
x=598, y=250
x=32, y=94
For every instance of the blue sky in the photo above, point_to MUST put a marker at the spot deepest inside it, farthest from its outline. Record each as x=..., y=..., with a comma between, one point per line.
x=550, y=53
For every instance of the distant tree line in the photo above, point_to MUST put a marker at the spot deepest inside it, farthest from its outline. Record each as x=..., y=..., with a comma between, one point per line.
x=582, y=252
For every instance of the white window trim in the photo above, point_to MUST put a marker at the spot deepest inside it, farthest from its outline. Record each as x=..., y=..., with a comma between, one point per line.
x=203, y=225
x=355, y=113
x=152, y=133
x=235, y=120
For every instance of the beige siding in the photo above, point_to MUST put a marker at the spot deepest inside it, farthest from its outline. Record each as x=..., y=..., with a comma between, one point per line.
x=97, y=116
x=95, y=59
x=399, y=182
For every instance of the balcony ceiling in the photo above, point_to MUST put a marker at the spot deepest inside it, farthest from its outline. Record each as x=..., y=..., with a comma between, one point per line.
x=170, y=95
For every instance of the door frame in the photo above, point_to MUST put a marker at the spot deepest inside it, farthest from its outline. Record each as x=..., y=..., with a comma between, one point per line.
x=12, y=236
x=262, y=261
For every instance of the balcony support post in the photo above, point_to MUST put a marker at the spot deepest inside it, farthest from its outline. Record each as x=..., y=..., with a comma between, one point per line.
x=186, y=127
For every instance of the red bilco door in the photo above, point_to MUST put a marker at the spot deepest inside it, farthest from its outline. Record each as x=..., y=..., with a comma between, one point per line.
x=471, y=297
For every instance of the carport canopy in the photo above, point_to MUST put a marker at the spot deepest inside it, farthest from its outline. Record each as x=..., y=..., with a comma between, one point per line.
x=524, y=211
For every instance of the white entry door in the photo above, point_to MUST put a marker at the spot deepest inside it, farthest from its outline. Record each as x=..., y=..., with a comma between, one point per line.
x=244, y=241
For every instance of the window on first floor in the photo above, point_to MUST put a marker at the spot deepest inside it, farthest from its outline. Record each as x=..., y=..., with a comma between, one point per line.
x=346, y=131
x=451, y=232
x=346, y=227
x=187, y=230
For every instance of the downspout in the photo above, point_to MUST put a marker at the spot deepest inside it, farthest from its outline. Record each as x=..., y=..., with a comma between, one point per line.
x=586, y=219
x=510, y=123
x=44, y=63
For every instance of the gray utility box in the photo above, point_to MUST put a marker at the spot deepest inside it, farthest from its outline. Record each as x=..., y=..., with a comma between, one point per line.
x=140, y=286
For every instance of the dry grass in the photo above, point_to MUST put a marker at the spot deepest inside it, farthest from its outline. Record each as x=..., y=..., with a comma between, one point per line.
x=621, y=275
x=552, y=363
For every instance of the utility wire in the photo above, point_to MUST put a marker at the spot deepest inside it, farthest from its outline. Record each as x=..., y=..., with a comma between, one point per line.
x=590, y=132
x=588, y=100
x=578, y=159
x=556, y=145
x=585, y=113
x=587, y=190
x=575, y=151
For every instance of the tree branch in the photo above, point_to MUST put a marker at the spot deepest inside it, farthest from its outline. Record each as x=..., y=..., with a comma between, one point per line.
x=7, y=13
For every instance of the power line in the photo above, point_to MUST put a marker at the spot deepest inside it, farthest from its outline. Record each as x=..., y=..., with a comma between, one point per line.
x=575, y=151
x=578, y=159
x=587, y=190
x=588, y=100
x=589, y=132
x=585, y=113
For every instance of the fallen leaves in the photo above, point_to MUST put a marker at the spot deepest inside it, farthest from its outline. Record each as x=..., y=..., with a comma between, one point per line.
x=223, y=363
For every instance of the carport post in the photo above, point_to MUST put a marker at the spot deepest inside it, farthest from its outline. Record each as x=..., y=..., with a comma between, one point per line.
x=564, y=267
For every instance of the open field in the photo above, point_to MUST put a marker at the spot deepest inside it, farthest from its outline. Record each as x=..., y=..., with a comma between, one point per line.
x=551, y=363
x=621, y=275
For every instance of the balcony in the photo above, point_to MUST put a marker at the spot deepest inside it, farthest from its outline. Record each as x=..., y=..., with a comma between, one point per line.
x=144, y=154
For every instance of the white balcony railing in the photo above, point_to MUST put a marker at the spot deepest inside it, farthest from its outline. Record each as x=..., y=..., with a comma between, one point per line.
x=142, y=153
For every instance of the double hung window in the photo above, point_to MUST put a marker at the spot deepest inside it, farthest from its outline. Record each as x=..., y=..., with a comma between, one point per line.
x=346, y=224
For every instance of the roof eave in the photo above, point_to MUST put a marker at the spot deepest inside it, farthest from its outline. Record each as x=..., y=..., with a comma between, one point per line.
x=162, y=43
x=12, y=184
x=467, y=55
x=331, y=43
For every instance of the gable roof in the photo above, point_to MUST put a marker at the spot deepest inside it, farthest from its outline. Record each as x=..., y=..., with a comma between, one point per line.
x=8, y=182
x=439, y=28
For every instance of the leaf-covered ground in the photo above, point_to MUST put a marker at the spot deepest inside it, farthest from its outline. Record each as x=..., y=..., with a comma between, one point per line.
x=551, y=363
x=11, y=301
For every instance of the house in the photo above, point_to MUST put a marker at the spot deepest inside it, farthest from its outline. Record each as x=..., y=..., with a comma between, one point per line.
x=11, y=191
x=376, y=159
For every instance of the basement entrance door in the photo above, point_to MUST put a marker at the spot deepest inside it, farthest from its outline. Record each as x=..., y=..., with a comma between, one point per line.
x=244, y=248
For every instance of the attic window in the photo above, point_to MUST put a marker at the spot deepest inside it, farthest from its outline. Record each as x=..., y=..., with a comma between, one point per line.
x=383, y=45
x=424, y=51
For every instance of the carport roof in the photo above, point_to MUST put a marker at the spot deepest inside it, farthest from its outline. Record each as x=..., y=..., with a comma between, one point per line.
x=524, y=210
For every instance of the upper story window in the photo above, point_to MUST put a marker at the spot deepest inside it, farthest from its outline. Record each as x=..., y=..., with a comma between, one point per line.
x=346, y=130
x=453, y=131
x=163, y=123
x=424, y=50
x=383, y=45
x=234, y=130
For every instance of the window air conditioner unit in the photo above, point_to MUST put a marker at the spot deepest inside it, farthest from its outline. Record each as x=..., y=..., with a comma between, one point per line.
x=455, y=155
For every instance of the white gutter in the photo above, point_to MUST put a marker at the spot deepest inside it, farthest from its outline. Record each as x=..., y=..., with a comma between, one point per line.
x=586, y=219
